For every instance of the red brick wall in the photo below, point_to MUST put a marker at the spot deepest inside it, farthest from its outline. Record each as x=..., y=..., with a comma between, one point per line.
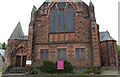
x=70, y=53
x=10, y=59
x=108, y=58
x=79, y=39
x=95, y=44
x=10, y=42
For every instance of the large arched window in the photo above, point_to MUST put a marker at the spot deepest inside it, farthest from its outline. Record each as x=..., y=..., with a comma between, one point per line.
x=62, y=18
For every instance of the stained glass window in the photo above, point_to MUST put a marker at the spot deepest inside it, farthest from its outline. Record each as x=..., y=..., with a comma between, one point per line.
x=11, y=47
x=44, y=53
x=22, y=51
x=59, y=53
x=77, y=53
x=110, y=49
x=64, y=53
x=51, y=28
x=80, y=53
x=69, y=6
x=41, y=54
x=72, y=26
x=63, y=19
x=56, y=20
x=61, y=5
x=66, y=20
x=113, y=45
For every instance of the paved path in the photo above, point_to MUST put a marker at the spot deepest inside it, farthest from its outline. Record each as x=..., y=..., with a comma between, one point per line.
x=15, y=74
x=0, y=74
x=110, y=72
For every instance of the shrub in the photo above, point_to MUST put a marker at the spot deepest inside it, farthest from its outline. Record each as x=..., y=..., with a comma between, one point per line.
x=34, y=72
x=48, y=67
x=89, y=71
x=8, y=68
x=51, y=67
x=3, y=70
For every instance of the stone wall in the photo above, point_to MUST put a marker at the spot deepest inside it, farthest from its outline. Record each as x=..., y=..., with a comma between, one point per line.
x=81, y=38
x=70, y=54
x=11, y=58
x=108, y=58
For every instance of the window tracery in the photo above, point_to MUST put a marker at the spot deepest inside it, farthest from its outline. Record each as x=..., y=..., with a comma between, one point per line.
x=61, y=18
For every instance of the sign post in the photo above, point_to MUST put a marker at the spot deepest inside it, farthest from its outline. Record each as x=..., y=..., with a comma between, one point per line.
x=28, y=66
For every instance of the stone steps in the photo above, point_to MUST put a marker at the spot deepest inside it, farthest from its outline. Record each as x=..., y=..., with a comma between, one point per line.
x=16, y=70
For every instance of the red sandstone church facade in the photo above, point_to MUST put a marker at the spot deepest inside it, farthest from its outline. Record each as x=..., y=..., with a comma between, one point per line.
x=62, y=31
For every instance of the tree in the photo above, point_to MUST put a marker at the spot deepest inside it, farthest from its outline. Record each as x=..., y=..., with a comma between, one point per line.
x=4, y=46
x=0, y=45
x=118, y=49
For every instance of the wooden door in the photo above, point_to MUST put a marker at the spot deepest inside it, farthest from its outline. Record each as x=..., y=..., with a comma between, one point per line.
x=24, y=61
x=18, y=61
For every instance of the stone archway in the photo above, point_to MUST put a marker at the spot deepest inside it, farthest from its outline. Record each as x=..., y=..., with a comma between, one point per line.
x=20, y=57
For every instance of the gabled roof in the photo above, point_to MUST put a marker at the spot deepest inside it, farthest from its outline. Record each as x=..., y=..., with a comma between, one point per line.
x=105, y=36
x=3, y=53
x=17, y=33
x=21, y=44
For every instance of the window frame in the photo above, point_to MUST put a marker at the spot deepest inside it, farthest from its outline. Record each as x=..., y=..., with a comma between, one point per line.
x=111, y=49
x=59, y=26
x=11, y=47
x=80, y=53
x=44, y=54
x=61, y=53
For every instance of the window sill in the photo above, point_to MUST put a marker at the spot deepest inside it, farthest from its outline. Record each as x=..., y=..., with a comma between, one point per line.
x=61, y=32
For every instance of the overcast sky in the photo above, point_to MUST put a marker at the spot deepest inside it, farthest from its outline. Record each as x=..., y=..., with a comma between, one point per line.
x=13, y=11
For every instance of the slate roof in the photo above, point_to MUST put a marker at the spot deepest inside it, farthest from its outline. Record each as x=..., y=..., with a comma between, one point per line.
x=17, y=33
x=105, y=36
x=3, y=53
x=34, y=9
x=25, y=38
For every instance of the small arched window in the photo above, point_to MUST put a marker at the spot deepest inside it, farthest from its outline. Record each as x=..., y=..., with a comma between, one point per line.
x=11, y=47
x=111, y=49
x=61, y=18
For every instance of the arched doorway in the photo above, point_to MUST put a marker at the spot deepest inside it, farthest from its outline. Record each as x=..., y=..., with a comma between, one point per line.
x=21, y=57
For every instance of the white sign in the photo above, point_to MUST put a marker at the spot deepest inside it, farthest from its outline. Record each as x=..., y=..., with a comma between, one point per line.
x=28, y=62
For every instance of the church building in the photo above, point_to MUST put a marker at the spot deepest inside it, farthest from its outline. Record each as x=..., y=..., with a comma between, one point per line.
x=62, y=31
